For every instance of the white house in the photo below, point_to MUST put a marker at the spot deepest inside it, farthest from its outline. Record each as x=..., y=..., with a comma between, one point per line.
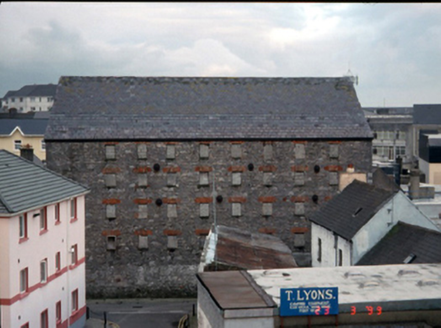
x=30, y=98
x=354, y=221
x=42, y=253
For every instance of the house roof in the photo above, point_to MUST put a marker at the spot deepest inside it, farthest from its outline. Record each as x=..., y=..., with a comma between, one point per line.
x=405, y=243
x=349, y=211
x=427, y=114
x=103, y=108
x=27, y=126
x=233, y=248
x=35, y=90
x=25, y=185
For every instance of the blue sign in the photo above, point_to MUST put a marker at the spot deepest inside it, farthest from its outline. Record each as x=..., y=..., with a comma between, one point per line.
x=308, y=301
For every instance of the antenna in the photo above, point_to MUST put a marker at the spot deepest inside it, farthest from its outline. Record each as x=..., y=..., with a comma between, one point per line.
x=354, y=79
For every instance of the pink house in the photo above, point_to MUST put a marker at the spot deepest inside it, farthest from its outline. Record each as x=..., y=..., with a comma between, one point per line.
x=42, y=252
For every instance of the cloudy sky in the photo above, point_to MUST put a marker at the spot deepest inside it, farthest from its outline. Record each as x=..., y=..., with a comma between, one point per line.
x=394, y=49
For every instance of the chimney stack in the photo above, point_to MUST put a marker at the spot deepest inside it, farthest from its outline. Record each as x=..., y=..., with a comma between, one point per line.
x=414, y=188
x=27, y=152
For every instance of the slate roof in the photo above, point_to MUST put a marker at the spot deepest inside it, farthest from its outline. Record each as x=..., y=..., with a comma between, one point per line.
x=349, y=211
x=427, y=114
x=27, y=126
x=35, y=90
x=164, y=108
x=402, y=241
x=25, y=185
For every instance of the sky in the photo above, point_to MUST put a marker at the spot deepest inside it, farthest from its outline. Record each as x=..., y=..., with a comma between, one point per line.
x=393, y=48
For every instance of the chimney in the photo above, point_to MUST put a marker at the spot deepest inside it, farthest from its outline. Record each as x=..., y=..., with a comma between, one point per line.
x=27, y=152
x=414, y=188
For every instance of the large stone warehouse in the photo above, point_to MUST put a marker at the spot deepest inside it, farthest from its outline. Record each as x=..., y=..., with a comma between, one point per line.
x=166, y=158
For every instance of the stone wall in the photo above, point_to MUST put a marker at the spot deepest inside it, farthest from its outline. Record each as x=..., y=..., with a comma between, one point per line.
x=152, y=203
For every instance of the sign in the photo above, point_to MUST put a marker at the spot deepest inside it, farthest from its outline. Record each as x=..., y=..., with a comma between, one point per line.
x=308, y=301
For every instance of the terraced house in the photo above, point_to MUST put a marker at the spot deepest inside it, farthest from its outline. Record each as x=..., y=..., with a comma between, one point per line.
x=166, y=158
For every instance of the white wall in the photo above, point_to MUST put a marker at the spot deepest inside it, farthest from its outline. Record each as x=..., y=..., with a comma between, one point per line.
x=331, y=244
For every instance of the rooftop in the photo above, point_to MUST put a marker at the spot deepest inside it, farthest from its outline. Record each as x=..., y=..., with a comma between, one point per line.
x=35, y=90
x=172, y=108
x=25, y=185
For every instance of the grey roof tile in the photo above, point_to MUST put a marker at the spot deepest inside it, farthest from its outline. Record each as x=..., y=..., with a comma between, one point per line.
x=205, y=108
x=402, y=241
x=349, y=211
x=27, y=126
x=427, y=114
x=24, y=185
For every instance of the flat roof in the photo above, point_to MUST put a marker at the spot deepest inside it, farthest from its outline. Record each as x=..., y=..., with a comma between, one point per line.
x=395, y=287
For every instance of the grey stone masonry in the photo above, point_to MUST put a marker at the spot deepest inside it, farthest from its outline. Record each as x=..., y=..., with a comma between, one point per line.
x=157, y=200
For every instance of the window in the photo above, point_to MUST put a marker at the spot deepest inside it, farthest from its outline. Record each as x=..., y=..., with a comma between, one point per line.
x=143, y=242
x=267, y=209
x=43, y=145
x=203, y=179
x=236, y=209
x=267, y=179
x=172, y=212
x=43, y=219
x=44, y=319
x=172, y=243
x=73, y=208
x=204, y=210
x=172, y=179
x=299, y=208
x=58, y=312
x=171, y=152
x=340, y=257
x=333, y=178
x=57, y=214
x=400, y=151
x=299, y=179
x=204, y=151
x=17, y=144
x=74, y=254
x=142, y=211
x=319, y=250
x=236, y=179
x=32, y=98
x=75, y=300
x=110, y=152
x=58, y=261
x=333, y=150
x=43, y=271
x=12, y=99
x=401, y=135
x=299, y=151
x=21, y=99
x=24, y=280
x=110, y=180
x=142, y=180
x=142, y=151
x=267, y=152
x=111, y=243
x=299, y=240
x=33, y=109
x=110, y=211
x=23, y=222
x=236, y=151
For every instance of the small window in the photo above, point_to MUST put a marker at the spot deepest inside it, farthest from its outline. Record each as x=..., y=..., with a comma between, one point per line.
x=267, y=152
x=110, y=152
x=299, y=151
x=142, y=151
x=74, y=254
x=44, y=321
x=111, y=211
x=203, y=179
x=43, y=145
x=171, y=152
x=32, y=109
x=23, y=221
x=58, y=261
x=333, y=150
x=299, y=208
x=143, y=242
x=204, y=210
x=110, y=180
x=75, y=300
x=172, y=243
x=172, y=179
x=21, y=99
x=43, y=271
x=17, y=145
x=204, y=151
x=111, y=243
x=142, y=211
x=267, y=209
x=142, y=180
x=236, y=178
x=299, y=179
x=172, y=212
x=299, y=240
x=267, y=179
x=57, y=213
x=319, y=250
x=236, y=151
x=43, y=219
x=236, y=209
x=73, y=208
x=24, y=280
x=340, y=257
x=58, y=312
x=333, y=178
